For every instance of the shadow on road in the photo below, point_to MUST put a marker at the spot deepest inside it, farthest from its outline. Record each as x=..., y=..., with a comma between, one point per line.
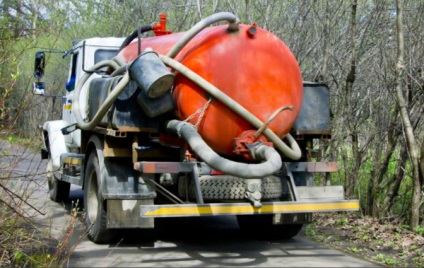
x=194, y=241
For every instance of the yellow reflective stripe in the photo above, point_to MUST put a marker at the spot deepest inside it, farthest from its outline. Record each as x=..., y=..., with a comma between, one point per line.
x=248, y=209
x=72, y=161
x=68, y=106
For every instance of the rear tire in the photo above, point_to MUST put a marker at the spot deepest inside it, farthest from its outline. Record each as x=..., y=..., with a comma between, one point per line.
x=260, y=226
x=58, y=190
x=96, y=217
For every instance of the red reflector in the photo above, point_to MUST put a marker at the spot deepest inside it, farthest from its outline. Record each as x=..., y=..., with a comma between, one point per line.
x=215, y=172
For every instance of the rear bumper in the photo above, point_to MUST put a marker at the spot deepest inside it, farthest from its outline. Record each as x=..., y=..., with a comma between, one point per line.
x=217, y=209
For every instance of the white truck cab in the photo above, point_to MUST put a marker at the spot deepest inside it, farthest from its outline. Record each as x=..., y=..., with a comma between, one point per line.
x=84, y=55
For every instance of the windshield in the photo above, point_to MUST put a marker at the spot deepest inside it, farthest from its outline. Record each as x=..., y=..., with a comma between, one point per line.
x=104, y=54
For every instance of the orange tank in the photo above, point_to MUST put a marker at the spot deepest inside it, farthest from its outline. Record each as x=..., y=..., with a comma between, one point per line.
x=258, y=71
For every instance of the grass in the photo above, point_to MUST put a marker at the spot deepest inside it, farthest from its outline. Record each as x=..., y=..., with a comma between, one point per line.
x=30, y=143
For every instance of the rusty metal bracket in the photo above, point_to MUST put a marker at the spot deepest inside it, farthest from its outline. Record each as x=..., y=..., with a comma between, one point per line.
x=110, y=132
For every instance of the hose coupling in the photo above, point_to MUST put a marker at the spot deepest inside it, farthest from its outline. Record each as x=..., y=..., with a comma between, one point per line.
x=254, y=192
x=233, y=26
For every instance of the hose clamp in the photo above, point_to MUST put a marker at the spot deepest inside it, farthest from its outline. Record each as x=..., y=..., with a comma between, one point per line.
x=253, y=147
x=180, y=126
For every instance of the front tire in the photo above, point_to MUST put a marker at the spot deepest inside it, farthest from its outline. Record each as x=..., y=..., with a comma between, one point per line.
x=58, y=190
x=260, y=226
x=96, y=217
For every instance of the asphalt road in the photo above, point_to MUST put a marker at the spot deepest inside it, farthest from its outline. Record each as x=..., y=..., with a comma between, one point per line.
x=186, y=242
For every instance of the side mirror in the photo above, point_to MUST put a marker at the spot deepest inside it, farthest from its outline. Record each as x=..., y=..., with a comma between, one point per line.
x=39, y=64
x=38, y=88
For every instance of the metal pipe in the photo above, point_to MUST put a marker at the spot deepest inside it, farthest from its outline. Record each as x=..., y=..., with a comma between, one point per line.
x=232, y=27
x=272, y=117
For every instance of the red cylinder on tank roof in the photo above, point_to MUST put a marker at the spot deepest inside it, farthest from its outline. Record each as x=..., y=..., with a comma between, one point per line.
x=252, y=66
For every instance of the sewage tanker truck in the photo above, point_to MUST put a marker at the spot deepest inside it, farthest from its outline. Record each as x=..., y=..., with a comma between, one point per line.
x=213, y=121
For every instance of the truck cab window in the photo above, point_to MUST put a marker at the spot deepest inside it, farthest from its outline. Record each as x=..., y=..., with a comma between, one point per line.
x=70, y=85
x=104, y=54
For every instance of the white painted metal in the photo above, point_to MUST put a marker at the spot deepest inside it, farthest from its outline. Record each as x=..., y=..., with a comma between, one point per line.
x=84, y=53
x=57, y=145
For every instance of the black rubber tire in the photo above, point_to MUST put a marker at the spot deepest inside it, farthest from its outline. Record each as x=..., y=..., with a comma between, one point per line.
x=58, y=190
x=261, y=227
x=223, y=187
x=95, y=217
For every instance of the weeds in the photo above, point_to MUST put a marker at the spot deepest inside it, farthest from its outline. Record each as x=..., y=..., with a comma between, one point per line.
x=25, y=244
x=419, y=230
x=383, y=242
x=23, y=241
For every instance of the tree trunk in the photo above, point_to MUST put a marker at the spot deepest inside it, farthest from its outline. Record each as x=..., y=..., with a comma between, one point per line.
x=199, y=9
x=350, y=184
x=409, y=134
x=422, y=182
x=35, y=18
x=374, y=191
x=394, y=183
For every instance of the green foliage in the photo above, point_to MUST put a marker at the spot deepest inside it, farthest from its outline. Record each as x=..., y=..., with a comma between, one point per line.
x=385, y=259
x=354, y=249
x=406, y=226
x=11, y=139
x=390, y=262
x=342, y=221
x=34, y=144
x=309, y=230
x=419, y=230
x=400, y=205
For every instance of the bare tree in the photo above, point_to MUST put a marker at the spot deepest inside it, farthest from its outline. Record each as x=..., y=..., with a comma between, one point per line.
x=409, y=134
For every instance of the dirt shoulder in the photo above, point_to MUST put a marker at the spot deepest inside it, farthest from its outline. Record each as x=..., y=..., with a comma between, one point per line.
x=380, y=242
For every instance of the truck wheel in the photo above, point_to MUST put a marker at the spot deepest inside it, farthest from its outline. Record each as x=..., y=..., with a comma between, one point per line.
x=58, y=190
x=96, y=217
x=260, y=226
x=224, y=187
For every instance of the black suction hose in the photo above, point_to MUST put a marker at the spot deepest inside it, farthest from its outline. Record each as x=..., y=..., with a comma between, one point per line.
x=134, y=35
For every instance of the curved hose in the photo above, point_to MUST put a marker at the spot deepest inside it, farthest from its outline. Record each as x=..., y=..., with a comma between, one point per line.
x=106, y=104
x=118, y=60
x=134, y=34
x=120, y=70
x=292, y=151
x=233, y=26
x=272, y=159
